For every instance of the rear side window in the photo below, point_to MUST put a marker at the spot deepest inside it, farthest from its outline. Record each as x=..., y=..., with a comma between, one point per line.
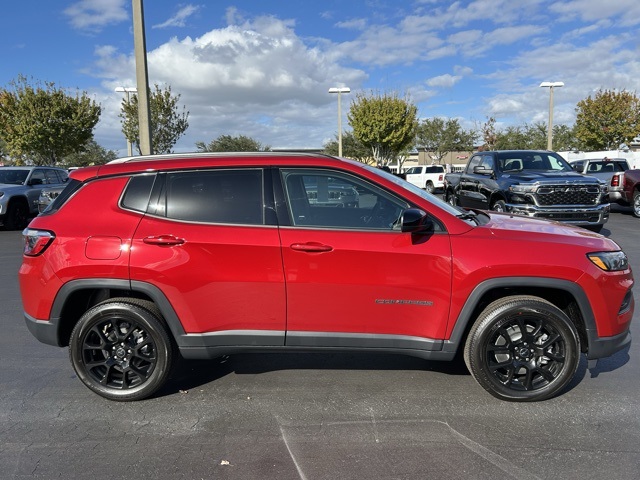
x=232, y=196
x=137, y=193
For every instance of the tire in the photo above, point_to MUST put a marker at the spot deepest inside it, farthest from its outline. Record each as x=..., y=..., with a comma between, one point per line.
x=636, y=203
x=121, y=350
x=521, y=367
x=429, y=187
x=17, y=216
x=450, y=198
x=499, y=206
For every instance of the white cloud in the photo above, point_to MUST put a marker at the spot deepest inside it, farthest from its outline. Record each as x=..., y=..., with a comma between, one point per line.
x=94, y=15
x=257, y=78
x=178, y=20
x=444, y=81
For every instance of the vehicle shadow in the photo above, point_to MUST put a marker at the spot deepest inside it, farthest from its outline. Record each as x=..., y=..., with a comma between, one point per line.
x=604, y=365
x=190, y=374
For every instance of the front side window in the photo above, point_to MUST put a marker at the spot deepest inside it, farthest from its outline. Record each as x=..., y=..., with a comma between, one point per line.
x=327, y=199
x=215, y=196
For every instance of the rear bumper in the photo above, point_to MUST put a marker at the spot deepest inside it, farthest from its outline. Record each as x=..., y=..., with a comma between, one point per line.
x=46, y=332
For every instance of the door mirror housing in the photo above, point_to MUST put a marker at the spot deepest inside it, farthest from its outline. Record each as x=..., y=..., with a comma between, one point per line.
x=414, y=220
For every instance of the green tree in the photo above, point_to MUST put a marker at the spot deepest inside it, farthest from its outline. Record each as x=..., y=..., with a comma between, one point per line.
x=489, y=134
x=607, y=120
x=167, y=124
x=384, y=123
x=351, y=148
x=228, y=143
x=93, y=154
x=439, y=136
x=42, y=124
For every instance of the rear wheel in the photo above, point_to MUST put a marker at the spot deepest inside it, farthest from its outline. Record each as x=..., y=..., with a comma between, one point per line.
x=522, y=348
x=121, y=350
x=429, y=187
x=17, y=216
x=636, y=203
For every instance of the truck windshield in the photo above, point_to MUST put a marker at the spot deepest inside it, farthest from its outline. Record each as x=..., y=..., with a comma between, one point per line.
x=518, y=161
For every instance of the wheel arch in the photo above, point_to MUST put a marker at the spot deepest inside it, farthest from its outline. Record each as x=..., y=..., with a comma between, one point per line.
x=77, y=296
x=564, y=294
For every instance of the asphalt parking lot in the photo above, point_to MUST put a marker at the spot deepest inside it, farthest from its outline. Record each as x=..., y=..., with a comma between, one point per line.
x=311, y=416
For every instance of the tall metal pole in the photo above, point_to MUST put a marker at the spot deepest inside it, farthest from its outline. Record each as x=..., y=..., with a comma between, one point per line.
x=550, y=130
x=550, y=86
x=142, y=78
x=339, y=125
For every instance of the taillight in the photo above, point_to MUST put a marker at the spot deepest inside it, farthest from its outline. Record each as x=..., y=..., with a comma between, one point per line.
x=36, y=241
x=440, y=178
x=615, y=181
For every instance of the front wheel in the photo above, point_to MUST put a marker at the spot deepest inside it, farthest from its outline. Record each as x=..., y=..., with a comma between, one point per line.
x=523, y=349
x=450, y=198
x=17, y=216
x=636, y=203
x=121, y=350
x=499, y=206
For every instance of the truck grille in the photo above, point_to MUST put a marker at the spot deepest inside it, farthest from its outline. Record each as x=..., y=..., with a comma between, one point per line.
x=568, y=195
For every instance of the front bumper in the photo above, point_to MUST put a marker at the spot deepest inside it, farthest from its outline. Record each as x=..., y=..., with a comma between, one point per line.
x=582, y=216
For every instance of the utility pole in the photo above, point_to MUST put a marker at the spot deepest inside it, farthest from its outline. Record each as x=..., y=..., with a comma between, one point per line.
x=142, y=78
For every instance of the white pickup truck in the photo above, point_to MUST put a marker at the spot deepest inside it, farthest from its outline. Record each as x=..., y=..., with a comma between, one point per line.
x=429, y=177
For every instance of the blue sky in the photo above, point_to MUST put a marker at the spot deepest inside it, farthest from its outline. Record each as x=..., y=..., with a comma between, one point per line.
x=263, y=68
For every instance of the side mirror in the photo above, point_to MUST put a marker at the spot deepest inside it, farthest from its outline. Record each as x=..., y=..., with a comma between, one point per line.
x=482, y=171
x=414, y=220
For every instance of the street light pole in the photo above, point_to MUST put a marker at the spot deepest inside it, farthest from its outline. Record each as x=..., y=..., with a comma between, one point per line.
x=142, y=78
x=128, y=91
x=550, y=86
x=339, y=91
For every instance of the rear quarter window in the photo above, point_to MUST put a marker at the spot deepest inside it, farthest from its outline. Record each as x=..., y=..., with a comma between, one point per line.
x=136, y=195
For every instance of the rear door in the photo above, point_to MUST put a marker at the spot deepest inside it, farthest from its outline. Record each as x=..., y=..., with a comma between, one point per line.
x=209, y=245
x=353, y=279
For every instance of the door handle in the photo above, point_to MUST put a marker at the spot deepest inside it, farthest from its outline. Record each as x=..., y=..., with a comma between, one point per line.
x=164, y=240
x=311, y=247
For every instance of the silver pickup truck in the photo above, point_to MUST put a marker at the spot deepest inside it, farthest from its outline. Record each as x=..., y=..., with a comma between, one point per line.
x=20, y=189
x=604, y=169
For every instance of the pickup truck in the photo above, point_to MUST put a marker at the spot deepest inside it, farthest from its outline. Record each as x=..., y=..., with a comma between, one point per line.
x=604, y=169
x=628, y=185
x=531, y=183
x=429, y=177
x=20, y=189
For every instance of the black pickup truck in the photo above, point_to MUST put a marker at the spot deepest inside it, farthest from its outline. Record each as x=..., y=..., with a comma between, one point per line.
x=532, y=183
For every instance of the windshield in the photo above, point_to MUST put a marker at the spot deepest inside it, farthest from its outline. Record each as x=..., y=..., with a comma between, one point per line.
x=541, y=161
x=13, y=176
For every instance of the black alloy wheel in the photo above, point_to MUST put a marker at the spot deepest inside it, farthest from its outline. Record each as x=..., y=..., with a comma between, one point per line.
x=450, y=198
x=522, y=348
x=121, y=350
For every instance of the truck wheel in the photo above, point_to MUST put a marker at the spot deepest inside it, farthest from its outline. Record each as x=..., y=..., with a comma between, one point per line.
x=450, y=198
x=499, y=206
x=429, y=187
x=17, y=216
x=121, y=350
x=522, y=349
x=636, y=203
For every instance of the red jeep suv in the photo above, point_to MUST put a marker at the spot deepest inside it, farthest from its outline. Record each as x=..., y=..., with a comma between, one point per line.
x=147, y=258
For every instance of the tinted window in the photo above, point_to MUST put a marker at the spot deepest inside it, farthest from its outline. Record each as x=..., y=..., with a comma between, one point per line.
x=136, y=196
x=321, y=198
x=217, y=196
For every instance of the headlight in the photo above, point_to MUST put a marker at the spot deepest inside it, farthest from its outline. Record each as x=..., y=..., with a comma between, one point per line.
x=522, y=189
x=609, y=261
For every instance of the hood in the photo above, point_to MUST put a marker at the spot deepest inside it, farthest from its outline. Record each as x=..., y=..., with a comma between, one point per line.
x=528, y=228
x=549, y=177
